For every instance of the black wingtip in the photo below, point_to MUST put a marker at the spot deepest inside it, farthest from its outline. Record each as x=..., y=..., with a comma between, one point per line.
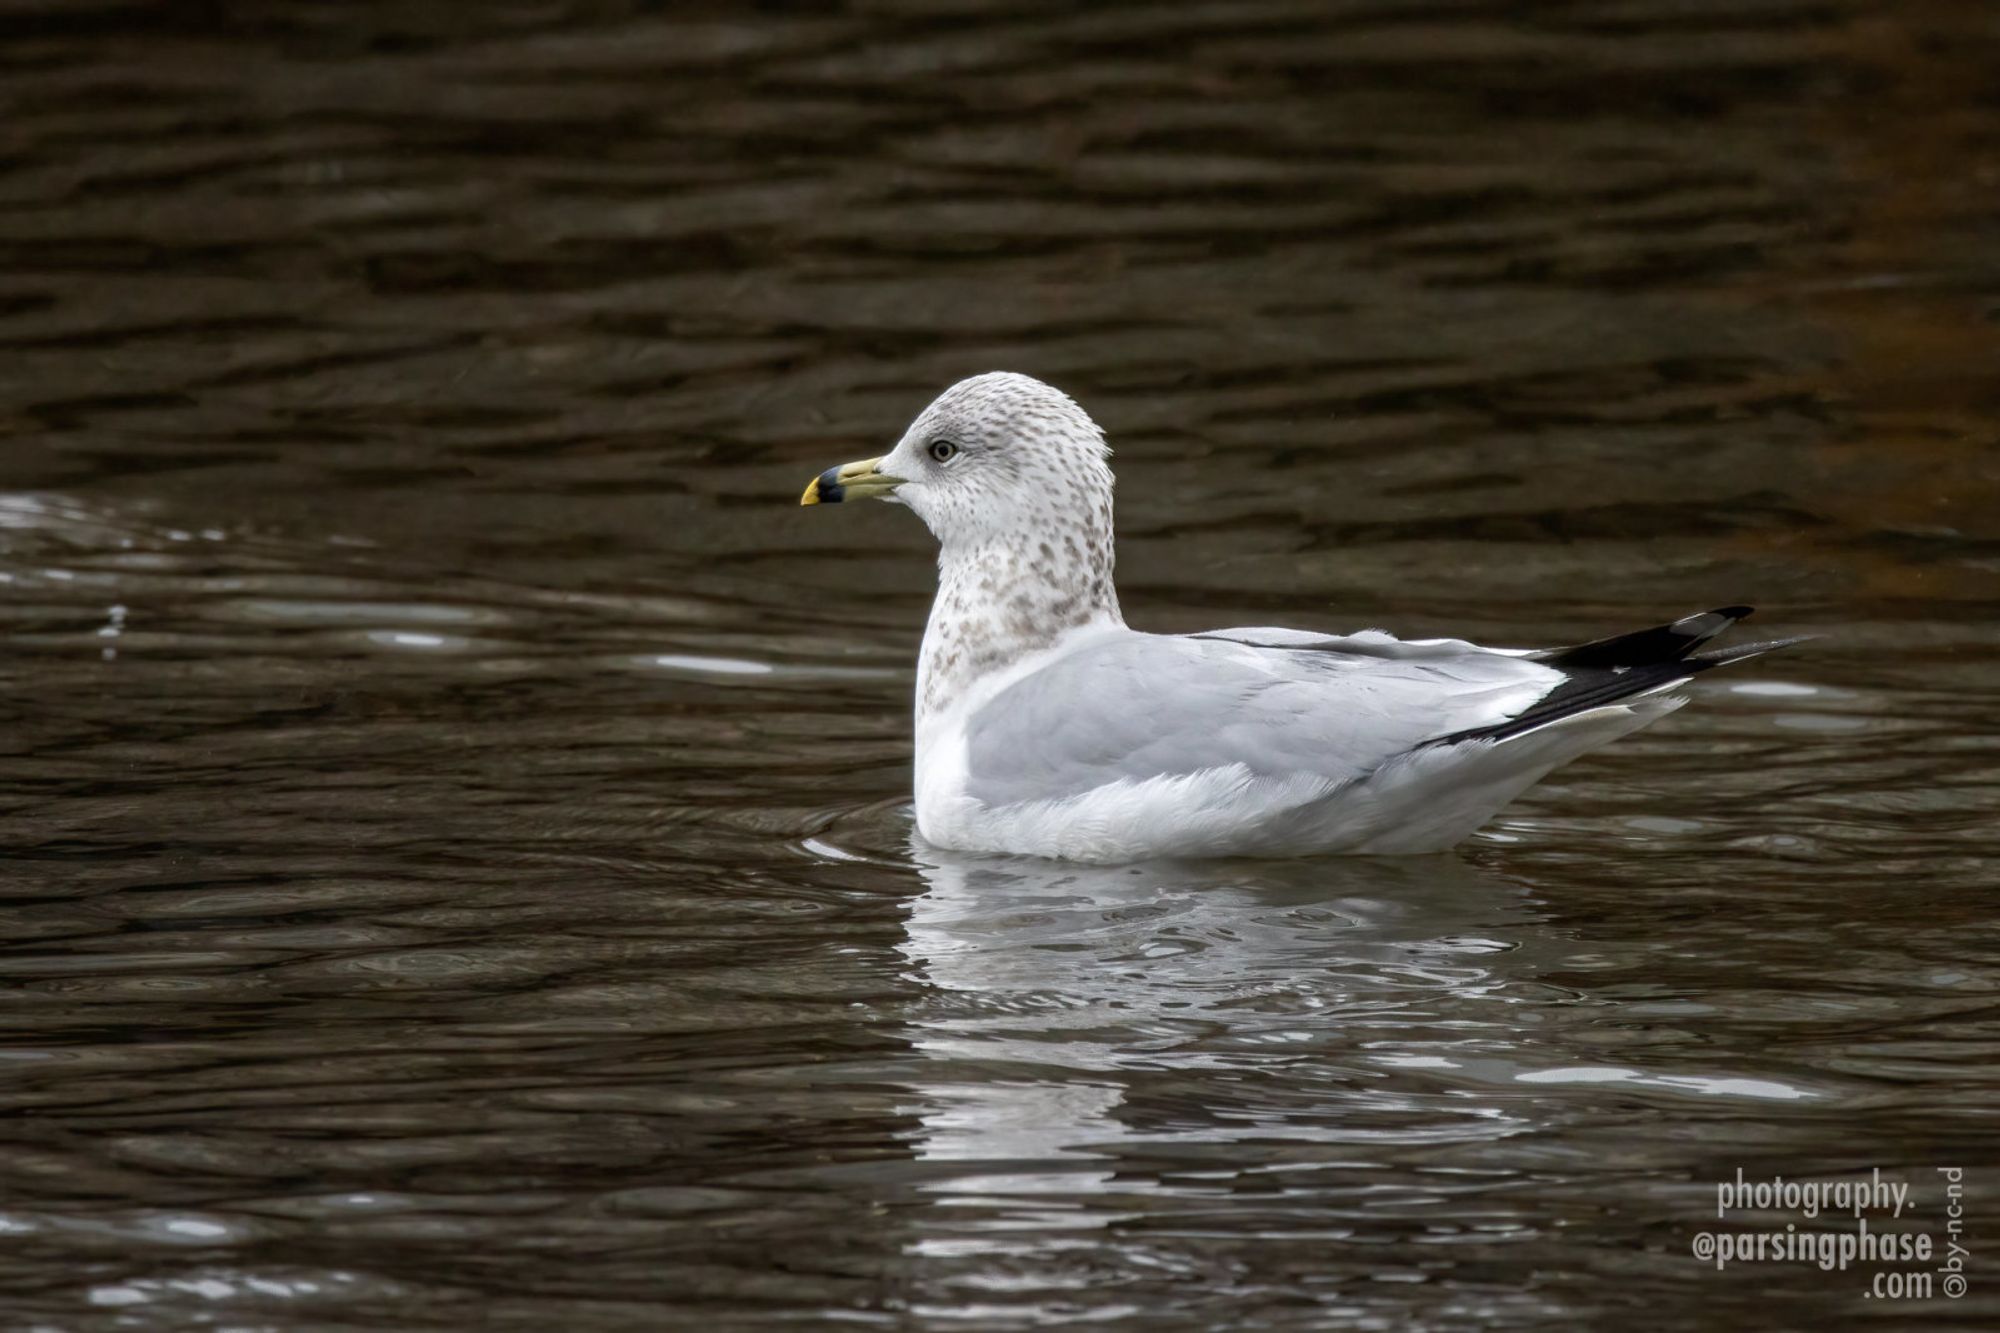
x=1737, y=652
x=1647, y=647
x=1611, y=670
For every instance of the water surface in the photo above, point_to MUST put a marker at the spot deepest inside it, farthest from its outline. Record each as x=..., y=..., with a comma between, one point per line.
x=459, y=862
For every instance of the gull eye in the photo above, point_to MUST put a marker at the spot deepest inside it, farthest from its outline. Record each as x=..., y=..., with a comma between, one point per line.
x=943, y=450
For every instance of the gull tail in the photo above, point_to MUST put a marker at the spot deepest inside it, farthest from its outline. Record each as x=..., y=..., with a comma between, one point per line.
x=1625, y=667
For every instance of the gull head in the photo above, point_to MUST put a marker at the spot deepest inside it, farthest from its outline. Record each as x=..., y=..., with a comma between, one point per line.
x=1010, y=476
x=997, y=457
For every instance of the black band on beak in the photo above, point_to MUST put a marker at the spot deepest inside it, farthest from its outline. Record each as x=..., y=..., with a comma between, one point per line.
x=830, y=491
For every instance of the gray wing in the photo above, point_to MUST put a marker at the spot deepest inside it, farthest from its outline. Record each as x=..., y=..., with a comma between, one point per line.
x=1278, y=702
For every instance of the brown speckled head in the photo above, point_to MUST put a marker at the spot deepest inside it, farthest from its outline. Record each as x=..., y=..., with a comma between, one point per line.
x=1010, y=475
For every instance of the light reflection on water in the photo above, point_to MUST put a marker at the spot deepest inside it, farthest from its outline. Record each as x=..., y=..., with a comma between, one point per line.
x=460, y=870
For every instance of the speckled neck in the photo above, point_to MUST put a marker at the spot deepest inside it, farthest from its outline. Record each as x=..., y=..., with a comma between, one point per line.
x=998, y=601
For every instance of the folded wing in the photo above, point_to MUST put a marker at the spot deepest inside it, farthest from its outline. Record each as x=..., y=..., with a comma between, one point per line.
x=1277, y=703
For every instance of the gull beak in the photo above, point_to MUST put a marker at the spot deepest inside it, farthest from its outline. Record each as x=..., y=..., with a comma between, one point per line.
x=850, y=481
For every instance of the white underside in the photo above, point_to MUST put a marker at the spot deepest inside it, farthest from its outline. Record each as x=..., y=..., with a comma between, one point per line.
x=1427, y=800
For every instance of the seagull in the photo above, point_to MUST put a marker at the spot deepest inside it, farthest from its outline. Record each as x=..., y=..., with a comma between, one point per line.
x=1045, y=726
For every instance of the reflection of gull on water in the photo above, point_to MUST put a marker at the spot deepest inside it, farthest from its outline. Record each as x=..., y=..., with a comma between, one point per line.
x=1074, y=1007
x=1084, y=1022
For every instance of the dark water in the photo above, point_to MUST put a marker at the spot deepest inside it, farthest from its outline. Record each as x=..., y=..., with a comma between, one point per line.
x=459, y=870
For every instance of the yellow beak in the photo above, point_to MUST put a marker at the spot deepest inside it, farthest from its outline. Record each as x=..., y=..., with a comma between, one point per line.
x=850, y=481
